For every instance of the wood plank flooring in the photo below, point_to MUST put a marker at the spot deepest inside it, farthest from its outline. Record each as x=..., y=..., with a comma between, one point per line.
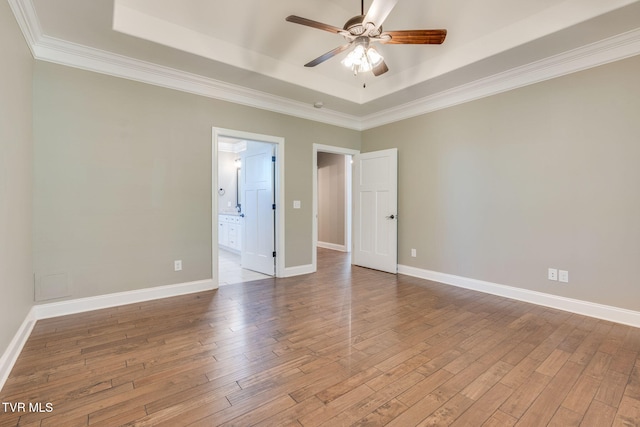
x=344, y=346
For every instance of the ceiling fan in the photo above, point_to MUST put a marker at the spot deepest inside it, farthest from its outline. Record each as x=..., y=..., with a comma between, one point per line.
x=363, y=30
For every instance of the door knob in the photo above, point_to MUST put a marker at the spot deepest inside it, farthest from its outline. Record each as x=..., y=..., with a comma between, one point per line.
x=392, y=216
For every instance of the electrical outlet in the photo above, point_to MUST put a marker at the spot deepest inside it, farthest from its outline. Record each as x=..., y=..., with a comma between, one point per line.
x=296, y=204
x=553, y=274
x=414, y=253
x=177, y=265
x=563, y=276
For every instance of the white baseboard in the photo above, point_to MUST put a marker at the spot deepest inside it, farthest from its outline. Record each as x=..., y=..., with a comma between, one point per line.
x=298, y=270
x=44, y=311
x=62, y=308
x=12, y=352
x=586, y=308
x=332, y=246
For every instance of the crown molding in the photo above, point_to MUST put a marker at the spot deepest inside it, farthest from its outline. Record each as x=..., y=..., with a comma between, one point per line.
x=602, y=52
x=58, y=51
x=62, y=52
x=73, y=55
x=27, y=19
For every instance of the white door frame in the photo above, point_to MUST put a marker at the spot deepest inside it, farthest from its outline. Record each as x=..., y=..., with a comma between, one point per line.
x=348, y=205
x=279, y=189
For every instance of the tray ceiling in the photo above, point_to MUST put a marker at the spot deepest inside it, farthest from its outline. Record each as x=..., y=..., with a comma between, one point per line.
x=247, y=50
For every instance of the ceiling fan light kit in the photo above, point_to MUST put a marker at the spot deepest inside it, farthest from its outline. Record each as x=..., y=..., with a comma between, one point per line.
x=361, y=30
x=362, y=58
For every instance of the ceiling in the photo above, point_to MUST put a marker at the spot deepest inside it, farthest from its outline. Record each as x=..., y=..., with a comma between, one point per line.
x=245, y=51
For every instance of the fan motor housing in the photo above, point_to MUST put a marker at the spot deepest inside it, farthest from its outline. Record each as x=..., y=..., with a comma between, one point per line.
x=354, y=27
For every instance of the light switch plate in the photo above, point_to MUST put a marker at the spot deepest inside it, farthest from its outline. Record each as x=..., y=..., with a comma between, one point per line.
x=296, y=204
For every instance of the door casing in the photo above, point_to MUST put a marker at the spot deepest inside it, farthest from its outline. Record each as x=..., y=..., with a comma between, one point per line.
x=348, y=220
x=217, y=133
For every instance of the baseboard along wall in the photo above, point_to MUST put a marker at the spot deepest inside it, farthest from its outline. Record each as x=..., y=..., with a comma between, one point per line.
x=332, y=246
x=63, y=308
x=80, y=305
x=585, y=308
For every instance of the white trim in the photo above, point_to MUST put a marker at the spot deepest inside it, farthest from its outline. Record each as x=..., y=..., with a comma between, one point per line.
x=215, y=253
x=314, y=197
x=28, y=22
x=332, y=246
x=44, y=311
x=585, y=308
x=81, y=305
x=298, y=270
x=86, y=58
x=348, y=201
x=599, y=53
x=222, y=133
x=73, y=55
x=16, y=345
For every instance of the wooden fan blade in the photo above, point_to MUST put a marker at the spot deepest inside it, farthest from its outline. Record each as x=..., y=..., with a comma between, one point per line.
x=379, y=69
x=379, y=11
x=328, y=55
x=314, y=24
x=415, y=37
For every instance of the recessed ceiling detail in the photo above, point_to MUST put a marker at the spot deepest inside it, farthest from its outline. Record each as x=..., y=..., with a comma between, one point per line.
x=252, y=35
x=245, y=52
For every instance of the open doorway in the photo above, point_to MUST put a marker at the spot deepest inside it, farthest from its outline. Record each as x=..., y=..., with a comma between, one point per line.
x=332, y=198
x=247, y=226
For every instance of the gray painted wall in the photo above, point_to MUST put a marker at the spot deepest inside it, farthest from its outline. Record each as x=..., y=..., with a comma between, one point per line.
x=498, y=189
x=16, y=152
x=544, y=176
x=331, y=198
x=123, y=179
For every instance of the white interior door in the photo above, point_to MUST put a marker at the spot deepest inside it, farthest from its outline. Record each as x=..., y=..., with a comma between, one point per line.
x=257, y=184
x=375, y=216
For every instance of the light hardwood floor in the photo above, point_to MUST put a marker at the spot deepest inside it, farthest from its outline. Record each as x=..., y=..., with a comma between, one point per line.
x=344, y=346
